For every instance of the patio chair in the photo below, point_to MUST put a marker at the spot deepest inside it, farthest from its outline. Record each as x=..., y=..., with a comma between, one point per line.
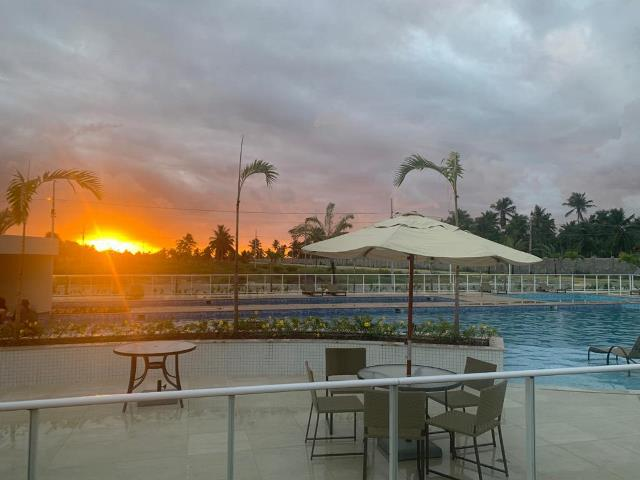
x=463, y=398
x=331, y=405
x=607, y=350
x=335, y=290
x=487, y=417
x=411, y=422
x=309, y=288
x=342, y=362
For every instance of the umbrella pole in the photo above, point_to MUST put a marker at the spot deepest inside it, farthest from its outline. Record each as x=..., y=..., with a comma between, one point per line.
x=456, y=300
x=410, y=315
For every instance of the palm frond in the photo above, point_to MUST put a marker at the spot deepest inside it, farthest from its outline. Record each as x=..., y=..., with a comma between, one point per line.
x=19, y=194
x=569, y=212
x=85, y=179
x=7, y=220
x=411, y=163
x=343, y=225
x=328, y=217
x=451, y=168
x=259, y=166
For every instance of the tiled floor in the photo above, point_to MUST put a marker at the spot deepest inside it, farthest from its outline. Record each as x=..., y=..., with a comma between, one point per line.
x=579, y=436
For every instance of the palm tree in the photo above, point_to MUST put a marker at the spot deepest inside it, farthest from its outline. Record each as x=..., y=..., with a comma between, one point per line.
x=270, y=175
x=486, y=226
x=186, y=246
x=21, y=190
x=505, y=209
x=221, y=243
x=314, y=230
x=579, y=204
x=451, y=169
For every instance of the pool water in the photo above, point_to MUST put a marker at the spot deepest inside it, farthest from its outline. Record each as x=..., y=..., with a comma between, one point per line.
x=539, y=337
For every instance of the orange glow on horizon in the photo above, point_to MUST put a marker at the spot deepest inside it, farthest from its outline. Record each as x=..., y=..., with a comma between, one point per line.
x=117, y=242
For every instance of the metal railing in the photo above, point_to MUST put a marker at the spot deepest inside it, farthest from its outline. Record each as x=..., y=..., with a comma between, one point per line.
x=158, y=286
x=529, y=376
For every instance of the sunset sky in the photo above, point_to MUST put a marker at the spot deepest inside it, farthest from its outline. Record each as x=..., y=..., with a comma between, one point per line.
x=540, y=98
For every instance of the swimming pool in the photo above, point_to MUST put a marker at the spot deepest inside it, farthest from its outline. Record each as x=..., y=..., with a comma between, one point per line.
x=537, y=336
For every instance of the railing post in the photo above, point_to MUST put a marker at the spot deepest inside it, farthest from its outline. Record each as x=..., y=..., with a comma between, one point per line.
x=609, y=284
x=33, y=444
x=379, y=286
x=231, y=413
x=596, y=283
x=521, y=283
x=530, y=427
x=393, y=432
x=534, y=283
x=424, y=283
x=467, y=283
x=363, y=283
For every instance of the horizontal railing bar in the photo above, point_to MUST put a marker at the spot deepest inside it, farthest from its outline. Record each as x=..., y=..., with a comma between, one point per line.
x=303, y=386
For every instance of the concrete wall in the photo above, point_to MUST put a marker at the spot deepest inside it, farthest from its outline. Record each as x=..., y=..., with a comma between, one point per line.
x=90, y=364
x=38, y=270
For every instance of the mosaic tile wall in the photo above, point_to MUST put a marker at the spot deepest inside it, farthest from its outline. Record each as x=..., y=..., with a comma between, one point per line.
x=88, y=364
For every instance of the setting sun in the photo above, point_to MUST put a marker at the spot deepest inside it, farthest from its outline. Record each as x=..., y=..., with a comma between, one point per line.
x=118, y=243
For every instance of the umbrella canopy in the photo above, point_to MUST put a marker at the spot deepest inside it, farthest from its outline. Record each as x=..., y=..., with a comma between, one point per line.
x=415, y=237
x=424, y=238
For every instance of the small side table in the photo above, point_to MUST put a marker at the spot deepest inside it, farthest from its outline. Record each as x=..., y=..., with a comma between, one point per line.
x=148, y=350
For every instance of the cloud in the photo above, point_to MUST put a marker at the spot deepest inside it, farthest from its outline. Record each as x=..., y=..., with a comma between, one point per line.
x=539, y=97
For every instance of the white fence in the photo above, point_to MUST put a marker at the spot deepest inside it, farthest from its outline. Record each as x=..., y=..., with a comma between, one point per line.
x=150, y=286
x=393, y=385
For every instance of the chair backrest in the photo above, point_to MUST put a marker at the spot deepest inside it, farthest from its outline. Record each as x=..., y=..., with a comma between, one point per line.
x=411, y=409
x=314, y=394
x=490, y=403
x=344, y=361
x=473, y=365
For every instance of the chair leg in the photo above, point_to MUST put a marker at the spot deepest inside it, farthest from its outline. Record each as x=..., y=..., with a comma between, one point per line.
x=493, y=437
x=355, y=416
x=475, y=448
x=418, y=458
x=504, y=455
x=364, y=458
x=331, y=423
x=427, y=448
x=315, y=434
x=452, y=444
x=306, y=435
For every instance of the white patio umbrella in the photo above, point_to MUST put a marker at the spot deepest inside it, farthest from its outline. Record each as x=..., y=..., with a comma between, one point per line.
x=415, y=237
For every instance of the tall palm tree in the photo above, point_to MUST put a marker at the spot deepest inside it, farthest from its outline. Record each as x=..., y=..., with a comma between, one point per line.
x=451, y=169
x=221, y=243
x=315, y=230
x=579, y=204
x=257, y=167
x=505, y=209
x=21, y=191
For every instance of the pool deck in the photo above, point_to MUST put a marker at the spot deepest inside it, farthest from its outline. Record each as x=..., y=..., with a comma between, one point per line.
x=579, y=435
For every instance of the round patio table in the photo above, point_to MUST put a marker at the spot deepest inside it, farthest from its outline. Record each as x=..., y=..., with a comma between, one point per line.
x=395, y=370
x=406, y=449
x=147, y=351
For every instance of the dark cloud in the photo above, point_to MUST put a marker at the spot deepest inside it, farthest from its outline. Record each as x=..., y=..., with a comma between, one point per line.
x=539, y=97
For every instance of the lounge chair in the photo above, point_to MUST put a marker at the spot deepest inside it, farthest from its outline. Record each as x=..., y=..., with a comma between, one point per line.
x=311, y=289
x=628, y=352
x=635, y=291
x=335, y=290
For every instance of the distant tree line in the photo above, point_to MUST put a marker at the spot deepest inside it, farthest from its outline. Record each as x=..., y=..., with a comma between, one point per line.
x=605, y=233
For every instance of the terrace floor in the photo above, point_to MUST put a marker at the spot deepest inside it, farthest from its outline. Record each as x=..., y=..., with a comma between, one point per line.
x=579, y=435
